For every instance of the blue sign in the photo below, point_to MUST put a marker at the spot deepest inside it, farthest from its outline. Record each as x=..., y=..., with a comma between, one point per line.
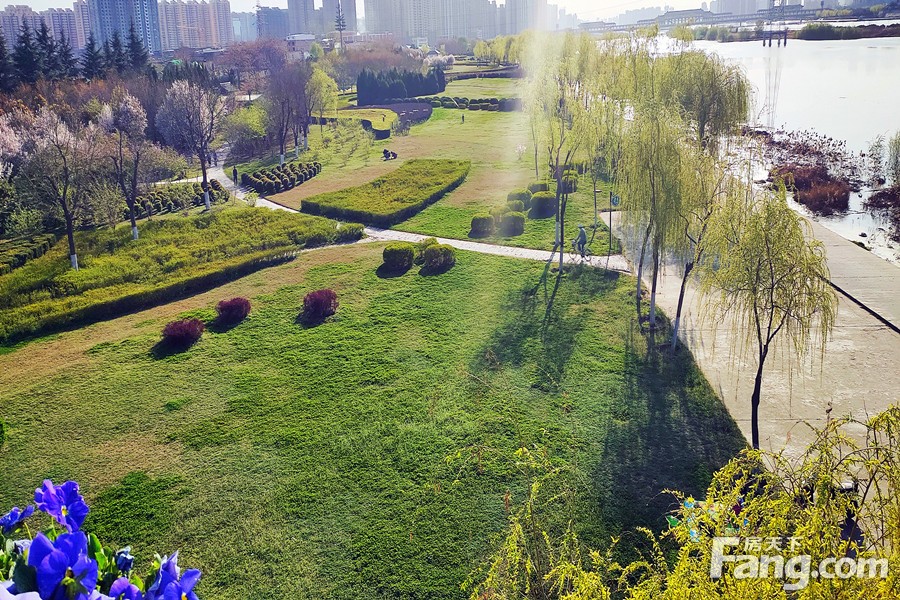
x=615, y=200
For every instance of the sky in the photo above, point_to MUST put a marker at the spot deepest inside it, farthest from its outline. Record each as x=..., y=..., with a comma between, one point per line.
x=587, y=10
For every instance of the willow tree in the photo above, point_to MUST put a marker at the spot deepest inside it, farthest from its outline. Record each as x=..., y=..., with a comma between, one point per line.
x=649, y=181
x=770, y=283
x=712, y=94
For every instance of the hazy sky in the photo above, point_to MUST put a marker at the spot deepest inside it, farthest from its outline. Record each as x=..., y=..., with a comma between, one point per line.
x=587, y=9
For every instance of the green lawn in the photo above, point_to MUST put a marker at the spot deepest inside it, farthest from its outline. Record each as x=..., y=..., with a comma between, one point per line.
x=292, y=462
x=487, y=87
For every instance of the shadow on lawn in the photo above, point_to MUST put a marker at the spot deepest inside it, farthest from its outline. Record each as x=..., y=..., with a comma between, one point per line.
x=668, y=430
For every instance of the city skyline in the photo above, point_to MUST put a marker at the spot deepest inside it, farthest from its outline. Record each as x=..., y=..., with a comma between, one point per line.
x=587, y=10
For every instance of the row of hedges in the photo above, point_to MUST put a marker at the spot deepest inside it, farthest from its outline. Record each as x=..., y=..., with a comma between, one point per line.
x=15, y=253
x=434, y=257
x=280, y=178
x=173, y=258
x=176, y=197
x=494, y=104
x=504, y=221
x=394, y=197
x=509, y=220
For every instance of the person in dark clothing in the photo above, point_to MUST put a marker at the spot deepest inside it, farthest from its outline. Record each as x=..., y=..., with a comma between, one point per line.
x=234, y=174
x=581, y=240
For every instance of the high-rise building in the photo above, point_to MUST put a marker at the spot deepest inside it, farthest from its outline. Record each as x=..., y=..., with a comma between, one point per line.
x=11, y=19
x=82, y=23
x=110, y=16
x=301, y=16
x=244, y=26
x=434, y=20
x=61, y=22
x=192, y=24
x=272, y=23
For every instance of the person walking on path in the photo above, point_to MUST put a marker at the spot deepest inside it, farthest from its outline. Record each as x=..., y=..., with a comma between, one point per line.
x=581, y=240
x=234, y=174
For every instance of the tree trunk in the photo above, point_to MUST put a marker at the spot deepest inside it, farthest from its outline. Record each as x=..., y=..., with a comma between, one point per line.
x=653, y=284
x=754, y=402
x=687, y=272
x=641, y=271
x=134, y=229
x=70, y=236
x=204, y=184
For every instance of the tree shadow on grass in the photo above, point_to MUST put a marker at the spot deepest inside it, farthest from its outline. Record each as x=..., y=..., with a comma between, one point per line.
x=384, y=272
x=667, y=430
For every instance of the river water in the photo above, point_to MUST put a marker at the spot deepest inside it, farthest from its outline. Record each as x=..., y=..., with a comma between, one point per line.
x=848, y=90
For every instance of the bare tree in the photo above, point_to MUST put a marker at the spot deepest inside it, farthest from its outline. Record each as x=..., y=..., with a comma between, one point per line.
x=126, y=121
x=189, y=119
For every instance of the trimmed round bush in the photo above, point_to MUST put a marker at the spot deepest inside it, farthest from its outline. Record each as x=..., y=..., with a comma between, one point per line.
x=516, y=206
x=399, y=256
x=523, y=196
x=497, y=213
x=421, y=247
x=512, y=224
x=539, y=186
x=482, y=226
x=569, y=184
x=319, y=305
x=543, y=205
x=183, y=333
x=439, y=257
x=233, y=311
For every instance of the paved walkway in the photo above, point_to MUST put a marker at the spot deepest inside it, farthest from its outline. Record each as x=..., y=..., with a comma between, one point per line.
x=859, y=374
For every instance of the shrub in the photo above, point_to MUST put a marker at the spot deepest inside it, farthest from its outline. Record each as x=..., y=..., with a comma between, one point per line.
x=543, y=205
x=516, y=206
x=421, y=246
x=523, y=196
x=482, y=226
x=15, y=253
x=512, y=224
x=394, y=197
x=497, y=213
x=439, y=257
x=569, y=184
x=233, y=311
x=183, y=333
x=399, y=256
x=539, y=186
x=319, y=305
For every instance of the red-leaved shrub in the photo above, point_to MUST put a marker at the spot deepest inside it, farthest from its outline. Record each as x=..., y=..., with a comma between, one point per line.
x=233, y=311
x=183, y=333
x=319, y=305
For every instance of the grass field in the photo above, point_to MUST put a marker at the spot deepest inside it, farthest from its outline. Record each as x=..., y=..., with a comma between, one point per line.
x=488, y=87
x=292, y=462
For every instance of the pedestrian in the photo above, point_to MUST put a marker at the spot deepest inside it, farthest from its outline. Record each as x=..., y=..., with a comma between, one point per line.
x=464, y=118
x=215, y=158
x=234, y=174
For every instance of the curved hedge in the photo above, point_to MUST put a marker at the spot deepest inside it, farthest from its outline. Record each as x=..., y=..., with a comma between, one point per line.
x=543, y=205
x=15, y=253
x=393, y=198
x=281, y=178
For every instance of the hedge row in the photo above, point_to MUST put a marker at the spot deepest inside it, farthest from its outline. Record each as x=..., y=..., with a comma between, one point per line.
x=495, y=104
x=280, y=178
x=15, y=253
x=394, y=197
x=176, y=197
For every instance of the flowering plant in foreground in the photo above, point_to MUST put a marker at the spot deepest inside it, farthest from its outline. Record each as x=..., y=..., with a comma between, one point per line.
x=64, y=563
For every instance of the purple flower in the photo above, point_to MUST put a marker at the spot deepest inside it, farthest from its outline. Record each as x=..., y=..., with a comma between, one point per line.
x=123, y=589
x=10, y=521
x=8, y=592
x=64, y=570
x=63, y=503
x=124, y=559
x=184, y=589
x=168, y=573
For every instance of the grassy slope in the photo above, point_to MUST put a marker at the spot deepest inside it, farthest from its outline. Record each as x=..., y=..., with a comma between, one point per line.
x=308, y=463
x=489, y=141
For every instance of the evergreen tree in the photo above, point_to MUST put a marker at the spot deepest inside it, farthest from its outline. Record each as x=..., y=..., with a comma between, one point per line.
x=138, y=57
x=340, y=23
x=65, y=58
x=119, y=57
x=109, y=61
x=45, y=50
x=25, y=59
x=7, y=74
x=92, y=60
